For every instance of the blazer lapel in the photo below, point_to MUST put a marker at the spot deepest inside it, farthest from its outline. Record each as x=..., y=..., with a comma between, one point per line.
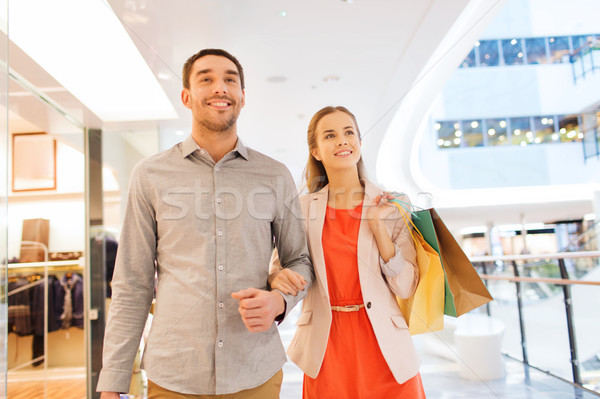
x=316, y=218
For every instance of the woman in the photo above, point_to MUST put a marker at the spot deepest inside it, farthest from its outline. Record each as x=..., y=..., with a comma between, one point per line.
x=352, y=340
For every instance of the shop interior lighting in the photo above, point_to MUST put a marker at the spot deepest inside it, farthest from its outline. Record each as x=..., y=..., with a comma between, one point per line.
x=84, y=46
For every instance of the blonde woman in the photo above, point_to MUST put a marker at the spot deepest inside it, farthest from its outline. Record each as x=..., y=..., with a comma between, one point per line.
x=352, y=340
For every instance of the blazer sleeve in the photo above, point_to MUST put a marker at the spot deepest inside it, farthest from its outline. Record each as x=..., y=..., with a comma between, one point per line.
x=401, y=271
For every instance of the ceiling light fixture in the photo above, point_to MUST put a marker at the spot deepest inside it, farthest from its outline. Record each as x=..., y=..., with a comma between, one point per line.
x=331, y=78
x=86, y=49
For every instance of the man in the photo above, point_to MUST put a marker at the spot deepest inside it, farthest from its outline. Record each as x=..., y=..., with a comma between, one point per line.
x=204, y=215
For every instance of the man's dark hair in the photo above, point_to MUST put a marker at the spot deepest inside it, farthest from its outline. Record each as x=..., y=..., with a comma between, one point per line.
x=187, y=67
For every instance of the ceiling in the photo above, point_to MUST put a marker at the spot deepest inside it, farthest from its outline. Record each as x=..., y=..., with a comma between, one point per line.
x=366, y=55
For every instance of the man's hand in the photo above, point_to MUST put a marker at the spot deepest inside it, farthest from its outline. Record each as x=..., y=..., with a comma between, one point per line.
x=110, y=395
x=259, y=308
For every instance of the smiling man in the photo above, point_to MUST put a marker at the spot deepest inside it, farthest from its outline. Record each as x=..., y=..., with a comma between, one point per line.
x=203, y=217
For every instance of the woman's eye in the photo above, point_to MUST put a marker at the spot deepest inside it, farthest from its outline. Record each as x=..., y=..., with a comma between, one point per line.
x=349, y=132
x=329, y=136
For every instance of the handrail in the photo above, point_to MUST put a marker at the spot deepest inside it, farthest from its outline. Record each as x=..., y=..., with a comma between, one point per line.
x=564, y=281
x=557, y=281
x=555, y=255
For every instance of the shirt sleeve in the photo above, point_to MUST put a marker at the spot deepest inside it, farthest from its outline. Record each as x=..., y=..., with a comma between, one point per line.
x=290, y=239
x=132, y=287
x=401, y=270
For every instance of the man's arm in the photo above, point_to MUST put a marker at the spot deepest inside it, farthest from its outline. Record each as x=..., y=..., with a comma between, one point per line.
x=290, y=239
x=132, y=286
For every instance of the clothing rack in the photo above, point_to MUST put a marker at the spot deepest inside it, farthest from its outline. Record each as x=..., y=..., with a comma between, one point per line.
x=37, y=267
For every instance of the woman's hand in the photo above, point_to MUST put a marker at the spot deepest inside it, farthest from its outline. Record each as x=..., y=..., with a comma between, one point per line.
x=287, y=281
x=380, y=210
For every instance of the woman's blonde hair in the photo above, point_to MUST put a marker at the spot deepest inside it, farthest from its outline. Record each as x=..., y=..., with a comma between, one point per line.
x=315, y=175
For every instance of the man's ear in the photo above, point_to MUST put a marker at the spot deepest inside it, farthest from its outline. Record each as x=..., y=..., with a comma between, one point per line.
x=185, y=98
x=315, y=153
x=243, y=98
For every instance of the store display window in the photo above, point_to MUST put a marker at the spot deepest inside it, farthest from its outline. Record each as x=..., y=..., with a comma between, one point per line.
x=512, y=52
x=469, y=61
x=449, y=134
x=559, y=49
x=544, y=129
x=497, y=131
x=536, y=51
x=520, y=131
x=473, y=133
x=569, y=129
x=488, y=53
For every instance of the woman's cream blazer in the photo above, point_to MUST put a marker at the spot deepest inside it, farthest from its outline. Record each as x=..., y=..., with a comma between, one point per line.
x=379, y=283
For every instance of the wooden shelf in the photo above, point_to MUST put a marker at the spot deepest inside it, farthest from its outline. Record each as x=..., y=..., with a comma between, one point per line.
x=61, y=265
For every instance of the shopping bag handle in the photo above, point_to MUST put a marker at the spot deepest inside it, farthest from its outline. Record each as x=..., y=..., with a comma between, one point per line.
x=407, y=220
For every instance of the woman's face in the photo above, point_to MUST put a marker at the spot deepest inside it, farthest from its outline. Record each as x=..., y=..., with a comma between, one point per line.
x=338, y=145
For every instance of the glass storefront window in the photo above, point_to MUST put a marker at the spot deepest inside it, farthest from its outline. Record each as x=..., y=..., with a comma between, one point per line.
x=488, y=53
x=469, y=61
x=449, y=134
x=512, y=51
x=544, y=129
x=473, y=133
x=581, y=42
x=536, y=51
x=559, y=49
x=520, y=131
x=569, y=130
x=497, y=133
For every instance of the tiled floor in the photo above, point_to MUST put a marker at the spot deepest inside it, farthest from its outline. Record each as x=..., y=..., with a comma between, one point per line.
x=442, y=380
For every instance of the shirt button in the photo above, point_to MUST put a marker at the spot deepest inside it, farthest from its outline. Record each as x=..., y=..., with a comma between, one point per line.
x=221, y=305
x=220, y=233
x=220, y=344
x=219, y=200
x=221, y=268
x=202, y=152
x=368, y=305
x=216, y=168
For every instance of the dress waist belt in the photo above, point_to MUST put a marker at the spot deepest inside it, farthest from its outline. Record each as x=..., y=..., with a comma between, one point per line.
x=348, y=308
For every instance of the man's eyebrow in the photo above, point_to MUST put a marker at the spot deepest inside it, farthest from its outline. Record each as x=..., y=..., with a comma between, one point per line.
x=208, y=70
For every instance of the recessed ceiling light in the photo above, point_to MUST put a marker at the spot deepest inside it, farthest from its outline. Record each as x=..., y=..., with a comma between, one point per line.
x=283, y=14
x=331, y=78
x=276, y=79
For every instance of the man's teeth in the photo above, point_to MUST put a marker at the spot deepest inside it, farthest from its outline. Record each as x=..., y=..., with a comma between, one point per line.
x=220, y=104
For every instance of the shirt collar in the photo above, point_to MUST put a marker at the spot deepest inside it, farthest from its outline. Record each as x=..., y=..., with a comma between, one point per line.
x=190, y=145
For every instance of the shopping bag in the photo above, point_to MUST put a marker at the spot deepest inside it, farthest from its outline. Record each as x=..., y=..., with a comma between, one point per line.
x=424, y=310
x=464, y=289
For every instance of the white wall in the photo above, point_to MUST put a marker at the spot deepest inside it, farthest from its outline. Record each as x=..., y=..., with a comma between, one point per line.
x=516, y=91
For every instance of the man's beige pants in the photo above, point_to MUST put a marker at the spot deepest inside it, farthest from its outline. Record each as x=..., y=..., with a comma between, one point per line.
x=268, y=390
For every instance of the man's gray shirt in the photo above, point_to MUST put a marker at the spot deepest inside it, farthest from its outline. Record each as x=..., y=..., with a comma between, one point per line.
x=206, y=230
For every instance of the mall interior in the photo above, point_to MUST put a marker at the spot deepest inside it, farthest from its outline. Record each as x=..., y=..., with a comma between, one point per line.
x=486, y=110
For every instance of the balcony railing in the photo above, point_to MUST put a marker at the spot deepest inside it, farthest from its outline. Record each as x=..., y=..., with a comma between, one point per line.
x=585, y=61
x=529, y=292
x=591, y=143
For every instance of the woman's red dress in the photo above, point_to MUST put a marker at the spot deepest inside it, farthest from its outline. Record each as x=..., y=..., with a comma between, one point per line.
x=353, y=367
